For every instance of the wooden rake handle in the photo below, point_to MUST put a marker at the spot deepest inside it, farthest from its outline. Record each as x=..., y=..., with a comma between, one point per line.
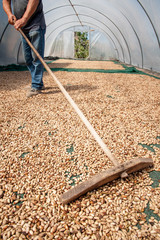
x=73, y=104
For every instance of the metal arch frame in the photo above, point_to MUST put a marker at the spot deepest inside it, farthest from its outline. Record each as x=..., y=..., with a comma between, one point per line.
x=98, y=20
x=9, y=24
x=89, y=24
x=111, y=21
x=97, y=27
x=18, y=51
x=158, y=40
x=108, y=27
x=19, y=43
x=59, y=19
x=61, y=6
x=140, y=45
x=4, y=31
x=108, y=34
x=75, y=12
x=82, y=25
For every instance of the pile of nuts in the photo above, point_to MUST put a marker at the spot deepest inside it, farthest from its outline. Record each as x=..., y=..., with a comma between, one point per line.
x=46, y=150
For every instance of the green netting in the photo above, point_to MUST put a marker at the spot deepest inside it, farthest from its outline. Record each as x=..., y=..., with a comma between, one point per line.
x=149, y=213
x=18, y=196
x=21, y=127
x=128, y=70
x=155, y=176
x=13, y=67
x=70, y=149
x=150, y=147
x=73, y=179
x=109, y=96
x=24, y=154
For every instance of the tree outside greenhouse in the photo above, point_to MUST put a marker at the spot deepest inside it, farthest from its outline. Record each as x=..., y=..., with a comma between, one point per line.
x=81, y=45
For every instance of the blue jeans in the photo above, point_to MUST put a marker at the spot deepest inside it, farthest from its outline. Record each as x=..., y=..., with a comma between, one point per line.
x=37, y=38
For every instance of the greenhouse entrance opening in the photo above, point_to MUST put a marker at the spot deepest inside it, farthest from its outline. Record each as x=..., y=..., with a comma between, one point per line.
x=81, y=45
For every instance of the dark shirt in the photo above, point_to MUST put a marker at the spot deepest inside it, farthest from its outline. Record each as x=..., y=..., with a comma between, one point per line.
x=36, y=20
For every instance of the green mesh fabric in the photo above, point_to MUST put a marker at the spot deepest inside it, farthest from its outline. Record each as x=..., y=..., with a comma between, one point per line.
x=13, y=67
x=128, y=70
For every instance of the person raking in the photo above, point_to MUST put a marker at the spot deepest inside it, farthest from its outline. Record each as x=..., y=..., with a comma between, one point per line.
x=29, y=16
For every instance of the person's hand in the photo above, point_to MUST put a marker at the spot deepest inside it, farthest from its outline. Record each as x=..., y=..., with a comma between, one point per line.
x=12, y=19
x=19, y=23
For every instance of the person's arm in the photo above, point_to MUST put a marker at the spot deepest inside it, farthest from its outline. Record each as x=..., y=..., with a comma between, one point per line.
x=31, y=8
x=8, y=11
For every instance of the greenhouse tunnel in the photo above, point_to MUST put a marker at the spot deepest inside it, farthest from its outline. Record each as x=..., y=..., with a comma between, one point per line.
x=127, y=31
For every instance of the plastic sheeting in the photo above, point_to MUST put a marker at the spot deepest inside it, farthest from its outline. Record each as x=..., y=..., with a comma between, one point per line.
x=126, y=30
x=99, y=46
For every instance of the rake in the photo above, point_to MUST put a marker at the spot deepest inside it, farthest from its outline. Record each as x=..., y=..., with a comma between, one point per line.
x=119, y=170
